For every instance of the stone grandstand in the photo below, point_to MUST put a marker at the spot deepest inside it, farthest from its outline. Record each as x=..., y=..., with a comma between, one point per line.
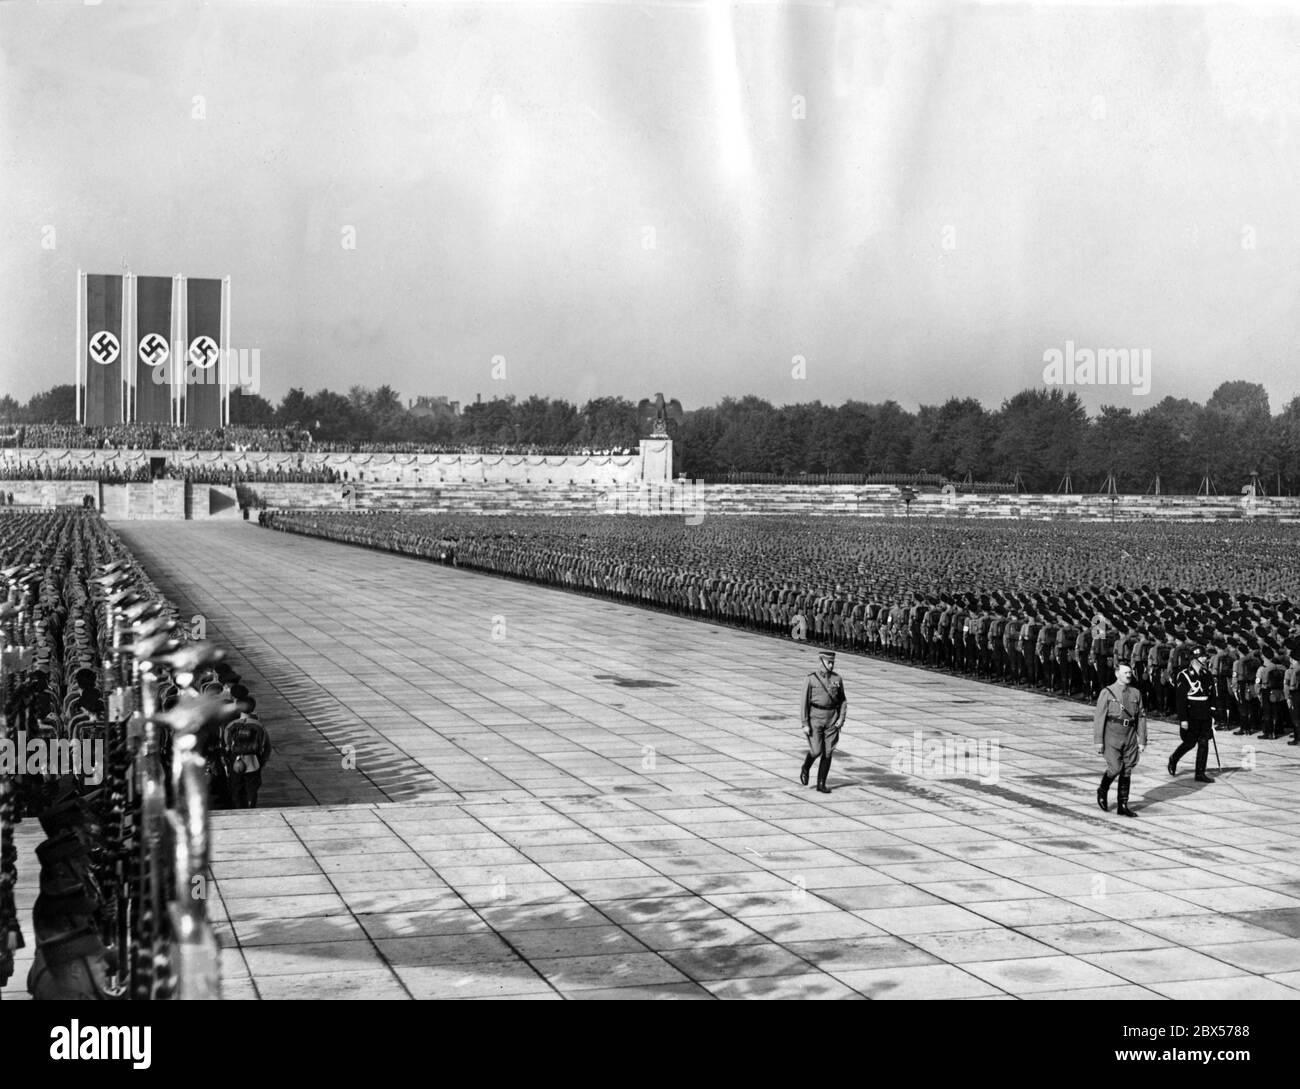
x=225, y=484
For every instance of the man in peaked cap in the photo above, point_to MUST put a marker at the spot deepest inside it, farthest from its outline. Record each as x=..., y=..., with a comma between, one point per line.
x=822, y=710
x=1197, y=709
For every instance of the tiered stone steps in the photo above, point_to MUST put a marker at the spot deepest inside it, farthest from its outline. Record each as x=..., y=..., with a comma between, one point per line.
x=167, y=499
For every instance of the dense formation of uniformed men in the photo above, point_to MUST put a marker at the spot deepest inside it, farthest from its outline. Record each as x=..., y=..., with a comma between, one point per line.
x=94, y=660
x=1050, y=606
x=47, y=559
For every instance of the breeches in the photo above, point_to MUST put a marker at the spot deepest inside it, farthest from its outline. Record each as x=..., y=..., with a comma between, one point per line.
x=823, y=738
x=1120, y=747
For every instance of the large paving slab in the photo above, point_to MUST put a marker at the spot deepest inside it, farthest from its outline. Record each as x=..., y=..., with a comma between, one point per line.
x=556, y=796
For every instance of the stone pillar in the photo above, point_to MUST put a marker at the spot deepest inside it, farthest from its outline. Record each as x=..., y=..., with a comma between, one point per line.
x=656, y=460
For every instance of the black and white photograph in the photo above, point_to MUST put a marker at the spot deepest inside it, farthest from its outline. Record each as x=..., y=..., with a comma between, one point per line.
x=684, y=499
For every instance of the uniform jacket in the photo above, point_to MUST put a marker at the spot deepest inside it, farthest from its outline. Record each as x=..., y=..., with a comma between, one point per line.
x=823, y=699
x=1195, y=695
x=1114, y=704
x=1138, y=651
x=1291, y=681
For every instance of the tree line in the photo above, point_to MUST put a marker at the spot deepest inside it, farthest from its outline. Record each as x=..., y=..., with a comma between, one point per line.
x=1035, y=437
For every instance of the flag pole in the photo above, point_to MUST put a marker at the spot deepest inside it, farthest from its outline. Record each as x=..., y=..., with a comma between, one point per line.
x=174, y=332
x=121, y=355
x=133, y=375
x=80, y=353
x=226, y=350
x=182, y=389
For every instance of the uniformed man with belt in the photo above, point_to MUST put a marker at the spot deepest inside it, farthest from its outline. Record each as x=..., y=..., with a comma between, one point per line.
x=1221, y=671
x=1291, y=689
x=1194, y=694
x=822, y=710
x=1119, y=727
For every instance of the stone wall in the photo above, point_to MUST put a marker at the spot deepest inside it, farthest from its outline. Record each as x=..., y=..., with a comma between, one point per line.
x=169, y=499
x=885, y=501
x=159, y=499
x=207, y=501
x=50, y=493
x=696, y=501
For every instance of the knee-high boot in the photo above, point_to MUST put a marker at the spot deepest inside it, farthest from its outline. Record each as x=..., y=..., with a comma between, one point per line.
x=1103, y=792
x=822, y=770
x=807, y=764
x=1121, y=797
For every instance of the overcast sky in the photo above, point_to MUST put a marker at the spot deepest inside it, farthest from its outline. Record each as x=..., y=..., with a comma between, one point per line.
x=919, y=200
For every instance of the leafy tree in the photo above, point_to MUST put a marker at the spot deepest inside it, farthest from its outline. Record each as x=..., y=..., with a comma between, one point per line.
x=1110, y=445
x=1166, y=444
x=608, y=422
x=251, y=410
x=331, y=417
x=294, y=410
x=1233, y=433
x=56, y=405
x=953, y=439
x=1283, y=461
x=1040, y=433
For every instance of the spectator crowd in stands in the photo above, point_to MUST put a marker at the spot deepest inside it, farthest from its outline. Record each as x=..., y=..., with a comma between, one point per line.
x=106, y=474
x=237, y=439
x=251, y=475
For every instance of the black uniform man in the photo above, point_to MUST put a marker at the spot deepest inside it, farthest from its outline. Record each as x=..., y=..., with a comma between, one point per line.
x=1194, y=694
x=1119, y=727
x=822, y=710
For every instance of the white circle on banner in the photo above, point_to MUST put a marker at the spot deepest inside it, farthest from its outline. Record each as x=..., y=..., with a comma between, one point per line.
x=103, y=347
x=203, y=351
x=153, y=349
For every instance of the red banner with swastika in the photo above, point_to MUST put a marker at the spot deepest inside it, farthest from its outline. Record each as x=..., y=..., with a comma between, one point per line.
x=202, y=364
x=104, y=373
x=153, y=361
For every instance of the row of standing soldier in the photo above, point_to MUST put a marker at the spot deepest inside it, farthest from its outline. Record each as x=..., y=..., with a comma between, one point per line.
x=1257, y=691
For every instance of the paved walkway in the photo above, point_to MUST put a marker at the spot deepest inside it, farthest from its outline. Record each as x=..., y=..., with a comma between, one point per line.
x=555, y=796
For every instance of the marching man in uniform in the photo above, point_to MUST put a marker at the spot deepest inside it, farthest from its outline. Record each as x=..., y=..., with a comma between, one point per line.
x=1195, y=692
x=1119, y=726
x=823, y=710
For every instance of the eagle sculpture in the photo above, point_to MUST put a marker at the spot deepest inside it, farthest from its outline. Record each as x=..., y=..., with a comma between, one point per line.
x=653, y=416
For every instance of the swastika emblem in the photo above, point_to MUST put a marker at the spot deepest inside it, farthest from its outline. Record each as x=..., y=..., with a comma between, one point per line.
x=154, y=350
x=104, y=348
x=203, y=351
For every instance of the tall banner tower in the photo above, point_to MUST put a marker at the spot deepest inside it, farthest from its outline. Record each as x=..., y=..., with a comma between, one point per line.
x=153, y=349
x=206, y=367
x=155, y=364
x=101, y=330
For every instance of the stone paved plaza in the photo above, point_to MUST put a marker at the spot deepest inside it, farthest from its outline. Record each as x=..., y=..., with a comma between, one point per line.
x=485, y=789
